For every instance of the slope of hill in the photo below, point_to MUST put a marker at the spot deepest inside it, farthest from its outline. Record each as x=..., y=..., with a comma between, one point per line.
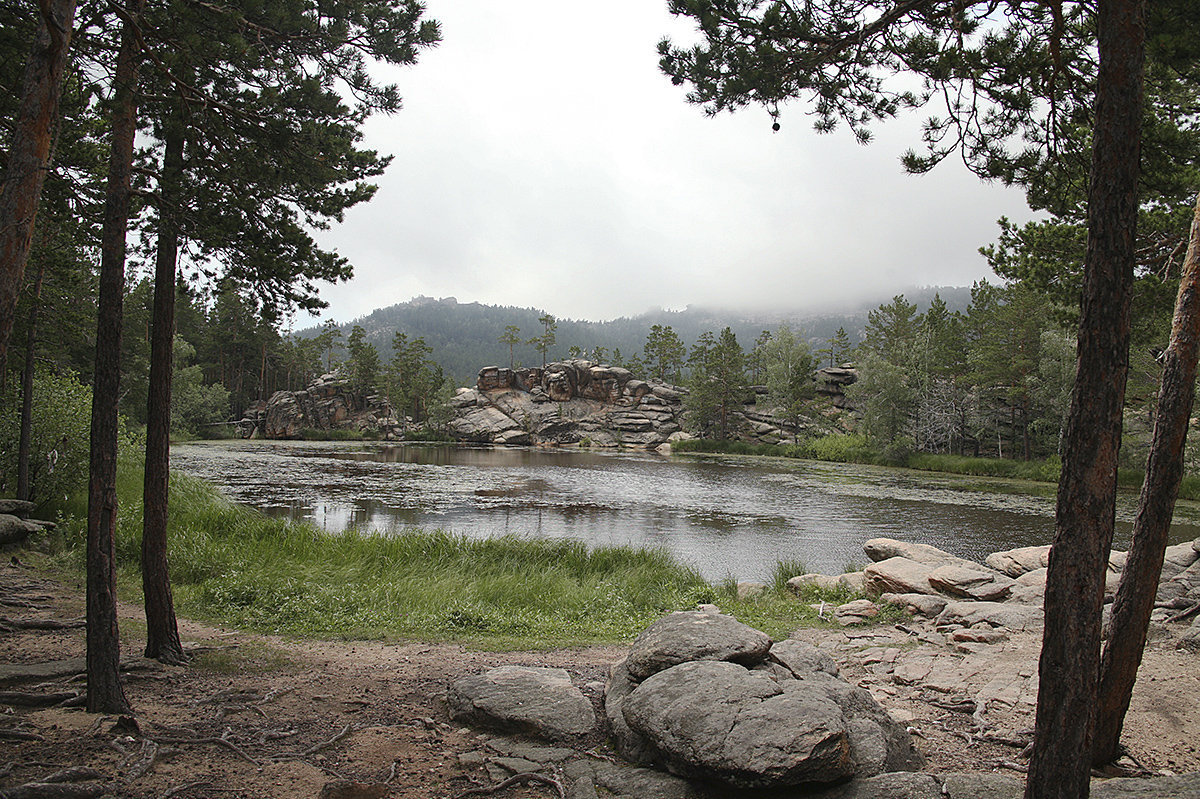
x=465, y=336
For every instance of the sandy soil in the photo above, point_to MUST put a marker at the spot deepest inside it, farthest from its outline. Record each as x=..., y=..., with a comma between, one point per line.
x=266, y=717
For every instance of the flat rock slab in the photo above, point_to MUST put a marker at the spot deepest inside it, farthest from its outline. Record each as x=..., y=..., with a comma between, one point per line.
x=803, y=659
x=899, y=785
x=1183, y=786
x=899, y=575
x=695, y=635
x=971, y=785
x=927, y=605
x=977, y=584
x=997, y=614
x=525, y=699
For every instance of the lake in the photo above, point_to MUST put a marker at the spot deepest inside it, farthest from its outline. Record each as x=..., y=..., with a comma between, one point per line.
x=727, y=516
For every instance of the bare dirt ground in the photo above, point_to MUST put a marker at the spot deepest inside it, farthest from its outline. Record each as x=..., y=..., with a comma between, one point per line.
x=257, y=716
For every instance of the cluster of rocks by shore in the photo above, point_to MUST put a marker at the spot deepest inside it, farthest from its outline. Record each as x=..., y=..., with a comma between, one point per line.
x=1006, y=591
x=705, y=706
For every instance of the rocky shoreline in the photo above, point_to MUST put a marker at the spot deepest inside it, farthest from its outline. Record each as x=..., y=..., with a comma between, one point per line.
x=704, y=706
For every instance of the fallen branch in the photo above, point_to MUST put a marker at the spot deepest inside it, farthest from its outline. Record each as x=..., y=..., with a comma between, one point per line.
x=230, y=745
x=957, y=705
x=1015, y=743
x=19, y=735
x=144, y=762
x=1014, y=766
x=312, y=750
x=517, y=779
x=187, y=786
x=1185, y=614
x=273, y=695
x=53, y=790
x=26, y=699
x=39, y=624
x=20, y=603
x=57, y=786
x=75, y=774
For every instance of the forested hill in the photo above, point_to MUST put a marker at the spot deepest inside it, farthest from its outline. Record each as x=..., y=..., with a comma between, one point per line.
x=465, y=336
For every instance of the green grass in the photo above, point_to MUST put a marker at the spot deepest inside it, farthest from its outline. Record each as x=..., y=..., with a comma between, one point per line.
x=236, y=566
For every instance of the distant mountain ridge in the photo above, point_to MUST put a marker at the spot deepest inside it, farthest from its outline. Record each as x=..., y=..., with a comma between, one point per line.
x=465, y=336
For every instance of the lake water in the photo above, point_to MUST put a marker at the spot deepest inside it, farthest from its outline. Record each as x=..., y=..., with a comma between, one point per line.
x=728, y=517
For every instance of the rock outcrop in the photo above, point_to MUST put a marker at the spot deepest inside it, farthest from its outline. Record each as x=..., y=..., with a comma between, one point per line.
x=329, y=403
x=568, y=402
x=583, y=402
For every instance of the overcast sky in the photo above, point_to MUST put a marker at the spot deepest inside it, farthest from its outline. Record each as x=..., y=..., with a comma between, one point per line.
x=541, y=159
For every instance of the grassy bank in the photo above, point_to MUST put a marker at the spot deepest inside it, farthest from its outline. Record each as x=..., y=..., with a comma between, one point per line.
x=234, y=565
x=854, y=449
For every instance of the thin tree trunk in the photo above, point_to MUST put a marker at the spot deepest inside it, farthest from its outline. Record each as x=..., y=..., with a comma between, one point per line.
x=162, y=631
x=1060, y=764
x=29, y=157
x=26, y=442
x=104, y=691
x=1164, y=471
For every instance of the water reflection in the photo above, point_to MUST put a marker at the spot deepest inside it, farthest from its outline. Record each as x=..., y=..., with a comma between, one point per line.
x=727, y=517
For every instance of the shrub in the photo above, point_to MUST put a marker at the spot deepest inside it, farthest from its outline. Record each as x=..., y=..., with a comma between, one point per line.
x=58, y=459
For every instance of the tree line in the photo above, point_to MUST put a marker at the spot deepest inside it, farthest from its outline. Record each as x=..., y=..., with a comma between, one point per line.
x=1091, y=108
x=206, y=142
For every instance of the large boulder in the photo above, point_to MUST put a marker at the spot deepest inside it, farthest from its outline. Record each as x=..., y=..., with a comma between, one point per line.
x=720, y=721
x=524, y=699
x=695, y=635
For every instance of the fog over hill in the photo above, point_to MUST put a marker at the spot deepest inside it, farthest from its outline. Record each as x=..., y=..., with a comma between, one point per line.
x=465, y=335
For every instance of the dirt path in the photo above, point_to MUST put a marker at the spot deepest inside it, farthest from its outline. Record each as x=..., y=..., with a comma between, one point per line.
x=259, y=716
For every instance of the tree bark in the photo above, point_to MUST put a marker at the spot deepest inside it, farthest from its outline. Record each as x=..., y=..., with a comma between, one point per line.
x=1139, y=582
x=1069, y=666
x=104, y=691
x=162, y=630
x=26, y=440
x=29, y=157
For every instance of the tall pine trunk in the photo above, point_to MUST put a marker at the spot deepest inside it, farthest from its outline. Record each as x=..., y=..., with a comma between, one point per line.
x=29, y=156
x=162, y=630
x=104, y=691
x=1060, y=764
x=1164, y=471
x=25, y=445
